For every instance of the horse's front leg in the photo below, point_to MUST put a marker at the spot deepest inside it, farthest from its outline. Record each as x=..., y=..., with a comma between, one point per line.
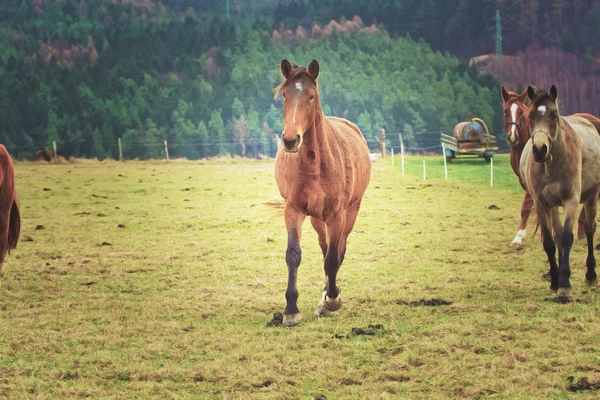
x=590, y=208
x=526, y=207
x=566, y=242
x=544, y=217
x=293, y=256
x=331, y=300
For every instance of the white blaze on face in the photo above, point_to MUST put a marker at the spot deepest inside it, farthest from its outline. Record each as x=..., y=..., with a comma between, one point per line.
x=513, y=113
x=542, y=110
x=299, y=89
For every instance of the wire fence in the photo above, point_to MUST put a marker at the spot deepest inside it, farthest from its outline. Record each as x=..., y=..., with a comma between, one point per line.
x=198, y=148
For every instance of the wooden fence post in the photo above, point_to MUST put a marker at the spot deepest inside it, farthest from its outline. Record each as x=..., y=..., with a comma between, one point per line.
x=120, y=150
x=55, y=152
x=382, y=142
x=166, y=150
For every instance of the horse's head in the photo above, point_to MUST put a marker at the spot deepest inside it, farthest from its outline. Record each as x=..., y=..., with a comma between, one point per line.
x=515, y=117
x=300, y=102
x=544, y=121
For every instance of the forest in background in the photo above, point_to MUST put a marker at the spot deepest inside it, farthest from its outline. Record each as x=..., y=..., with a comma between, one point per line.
x=84, y=73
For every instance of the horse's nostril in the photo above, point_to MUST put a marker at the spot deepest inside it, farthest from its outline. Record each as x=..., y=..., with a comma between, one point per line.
x=297, y=138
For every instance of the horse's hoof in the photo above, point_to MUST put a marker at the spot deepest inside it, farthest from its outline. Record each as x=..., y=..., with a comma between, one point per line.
x=517, y=242
x=333, y=304
x=593, y=282
x=548, y=278
x=565, y=292
x=291, y=319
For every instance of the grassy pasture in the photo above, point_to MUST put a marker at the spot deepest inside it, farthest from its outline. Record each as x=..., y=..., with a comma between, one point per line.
x=176, y=302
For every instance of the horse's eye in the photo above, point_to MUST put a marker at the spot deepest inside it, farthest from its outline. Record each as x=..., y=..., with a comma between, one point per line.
x=312, y=98
x=283, y=94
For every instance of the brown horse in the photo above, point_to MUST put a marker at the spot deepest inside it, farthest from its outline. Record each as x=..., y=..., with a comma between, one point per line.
x=10, y=219
x=48, y=155
x=322, y=170
x=516, y=124
x=560, y=166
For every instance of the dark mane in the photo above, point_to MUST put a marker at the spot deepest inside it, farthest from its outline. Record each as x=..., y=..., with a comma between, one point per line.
x=296, y=72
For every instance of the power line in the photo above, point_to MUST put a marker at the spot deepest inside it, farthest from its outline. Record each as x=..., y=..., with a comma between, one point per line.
x=550, y=38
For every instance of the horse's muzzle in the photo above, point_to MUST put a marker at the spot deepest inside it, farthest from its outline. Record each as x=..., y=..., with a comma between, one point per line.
x=512, y=141
x=291, y=146
x=540, y=154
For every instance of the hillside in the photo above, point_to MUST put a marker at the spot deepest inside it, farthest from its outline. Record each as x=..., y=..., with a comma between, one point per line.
x=462, y=27
x=86, y=73
x=576, y=76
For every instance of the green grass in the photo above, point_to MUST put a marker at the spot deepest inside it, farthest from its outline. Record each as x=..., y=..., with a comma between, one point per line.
x=178, y=305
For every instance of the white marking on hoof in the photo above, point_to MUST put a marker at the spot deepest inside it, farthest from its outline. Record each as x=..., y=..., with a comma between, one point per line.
x=565, y=292
x=291, y=319
x=518, y=240
x=592, y=283
x=322, y=310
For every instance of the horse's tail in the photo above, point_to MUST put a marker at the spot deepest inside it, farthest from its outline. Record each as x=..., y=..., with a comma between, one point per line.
x=276, y=206
x=14, y=226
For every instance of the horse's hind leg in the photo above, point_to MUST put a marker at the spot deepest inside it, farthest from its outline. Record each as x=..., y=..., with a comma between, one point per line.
x=4, y=225
x=293, y=256
x=581, y=232
x=526, y=207
x=590, y=208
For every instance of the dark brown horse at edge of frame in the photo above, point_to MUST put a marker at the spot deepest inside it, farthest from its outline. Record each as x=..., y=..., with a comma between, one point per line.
x=48, y=155
x=322, y=170
x=560, y=166
x=10, y=218
x=516, y=125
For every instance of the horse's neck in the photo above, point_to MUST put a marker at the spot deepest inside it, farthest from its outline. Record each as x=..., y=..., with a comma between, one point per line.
x=517, y=151
x=564, y=147
x=317, y=140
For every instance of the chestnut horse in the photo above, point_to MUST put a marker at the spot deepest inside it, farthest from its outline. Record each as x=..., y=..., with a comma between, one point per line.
x=560, y=166
x=516, y=124
x=10, y=219
x=322, y=170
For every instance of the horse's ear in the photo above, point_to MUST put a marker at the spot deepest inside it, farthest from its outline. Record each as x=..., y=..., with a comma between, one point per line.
x=523, y=96
x=286, y=68
x=313, y=70
x=504, y=94
x=531, y=92
x=553, y=92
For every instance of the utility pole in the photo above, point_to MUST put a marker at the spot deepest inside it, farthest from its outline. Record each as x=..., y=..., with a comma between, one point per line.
x=498, y=36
